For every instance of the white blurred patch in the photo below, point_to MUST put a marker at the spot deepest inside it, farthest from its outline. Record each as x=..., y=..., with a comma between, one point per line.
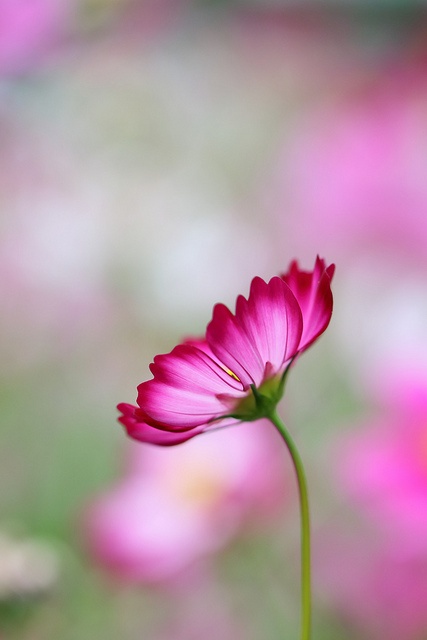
x=380, y=316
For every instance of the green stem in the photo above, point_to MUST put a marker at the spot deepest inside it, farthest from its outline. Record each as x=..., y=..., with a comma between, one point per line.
x=305, y=528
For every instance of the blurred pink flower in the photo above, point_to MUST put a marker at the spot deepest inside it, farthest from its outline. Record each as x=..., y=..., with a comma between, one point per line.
x=175, y=507
x=374, y=588
x=354, y=177
x=384, y=466
x=27, y=29
x=376, y=576
x=238, y=372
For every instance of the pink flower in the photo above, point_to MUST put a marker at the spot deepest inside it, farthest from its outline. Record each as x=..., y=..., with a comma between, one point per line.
x=377, y=575
x=384, y=466
x=373, y=587
x=27, y=29
x=237, y=373
x=354, y=178
x=203, y=493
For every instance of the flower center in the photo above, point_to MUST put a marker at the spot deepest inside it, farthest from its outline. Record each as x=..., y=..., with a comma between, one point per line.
x=197, y=486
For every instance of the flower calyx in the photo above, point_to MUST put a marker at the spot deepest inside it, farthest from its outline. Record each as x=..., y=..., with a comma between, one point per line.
x=261, y=402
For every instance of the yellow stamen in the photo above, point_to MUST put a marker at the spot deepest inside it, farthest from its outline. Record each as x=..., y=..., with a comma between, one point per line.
x=230, y=373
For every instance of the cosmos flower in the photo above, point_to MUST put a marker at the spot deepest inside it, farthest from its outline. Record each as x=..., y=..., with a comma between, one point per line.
x=206, y=493
x=237, y=372
x=378, y=591
x=383, y=464
x=375, y=567
x=29, y=29
x=354, y=176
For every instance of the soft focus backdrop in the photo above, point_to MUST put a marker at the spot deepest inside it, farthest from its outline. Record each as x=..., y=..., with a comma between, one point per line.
x=154, y=157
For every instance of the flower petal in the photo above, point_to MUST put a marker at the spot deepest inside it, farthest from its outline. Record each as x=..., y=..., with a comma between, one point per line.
x=133, y=420
x=312, y=290
x=263, y=335
x=184, y=391
x=272, y=317
x=140, y=430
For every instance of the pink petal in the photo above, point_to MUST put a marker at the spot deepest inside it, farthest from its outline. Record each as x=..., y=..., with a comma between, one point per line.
x=313, y=293
x=185, y=388
x=140, y=430
x=262, y=336
x=272, y=317
x=136, y=427
x=191, y=368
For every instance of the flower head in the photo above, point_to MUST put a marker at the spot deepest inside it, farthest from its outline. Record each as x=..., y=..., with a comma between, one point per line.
x=237, y=372
x=28, y=29
x=354, y=176
x=375, y=569
x=206, y=493
x=383, y=466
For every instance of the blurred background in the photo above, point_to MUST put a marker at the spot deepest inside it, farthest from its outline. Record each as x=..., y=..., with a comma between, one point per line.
x=155, y=155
